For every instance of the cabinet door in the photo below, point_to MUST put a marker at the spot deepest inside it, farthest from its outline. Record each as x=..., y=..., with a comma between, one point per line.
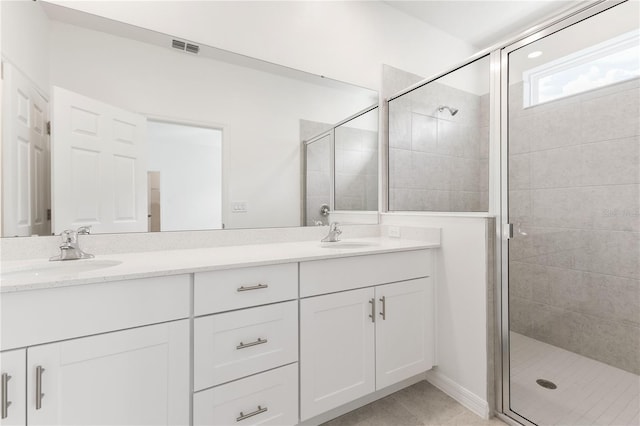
x=132, y=377
x=13, y=391
x=404, y=330
x=336, y=350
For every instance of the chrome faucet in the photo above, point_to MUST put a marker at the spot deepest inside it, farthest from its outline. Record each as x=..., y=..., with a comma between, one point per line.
x=70, y=247
x=334, y=233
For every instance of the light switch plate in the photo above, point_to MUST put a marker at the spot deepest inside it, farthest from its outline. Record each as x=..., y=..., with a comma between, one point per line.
x=393, y=231
x=239, y=207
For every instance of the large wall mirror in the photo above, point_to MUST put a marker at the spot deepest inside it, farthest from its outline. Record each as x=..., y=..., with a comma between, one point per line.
x=150, y=132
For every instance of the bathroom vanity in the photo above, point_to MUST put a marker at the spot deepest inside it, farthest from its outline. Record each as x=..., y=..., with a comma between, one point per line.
x=277, y=333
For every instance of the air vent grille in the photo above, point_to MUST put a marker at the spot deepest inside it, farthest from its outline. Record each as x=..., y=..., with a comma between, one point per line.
x=192, y=48
x=177, y=44
x=185, y=47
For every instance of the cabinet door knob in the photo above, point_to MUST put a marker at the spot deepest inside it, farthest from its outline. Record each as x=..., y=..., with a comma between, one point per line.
x=5, y=396
x=39, y=394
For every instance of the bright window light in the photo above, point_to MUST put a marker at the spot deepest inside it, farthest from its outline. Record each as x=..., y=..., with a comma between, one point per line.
x=612, y=61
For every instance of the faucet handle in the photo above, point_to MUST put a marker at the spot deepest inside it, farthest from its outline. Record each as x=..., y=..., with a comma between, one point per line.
x=68, y=236
x=84, y=230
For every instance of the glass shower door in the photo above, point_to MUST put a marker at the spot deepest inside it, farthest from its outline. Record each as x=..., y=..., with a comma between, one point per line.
x=574, y=203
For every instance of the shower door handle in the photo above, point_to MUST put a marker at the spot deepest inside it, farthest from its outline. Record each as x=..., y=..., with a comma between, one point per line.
x=508, y=231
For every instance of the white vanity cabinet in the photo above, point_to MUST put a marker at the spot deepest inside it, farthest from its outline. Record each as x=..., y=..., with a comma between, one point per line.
x=355, y=342
x=13, y=387
x=107, y=353
x=246, y=346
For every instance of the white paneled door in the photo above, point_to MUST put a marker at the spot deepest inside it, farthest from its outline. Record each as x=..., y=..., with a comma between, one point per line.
x=99, y=162
x=25, y=157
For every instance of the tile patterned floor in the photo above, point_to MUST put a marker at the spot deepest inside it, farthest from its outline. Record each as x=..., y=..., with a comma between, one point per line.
x=588, y=392
x=417, y=405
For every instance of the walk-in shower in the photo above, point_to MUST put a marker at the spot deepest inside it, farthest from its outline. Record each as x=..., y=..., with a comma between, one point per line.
x=571, y=271
x=543, y=132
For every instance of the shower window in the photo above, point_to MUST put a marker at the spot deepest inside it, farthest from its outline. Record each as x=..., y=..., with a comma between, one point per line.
x=439, y=143
x=611, y=61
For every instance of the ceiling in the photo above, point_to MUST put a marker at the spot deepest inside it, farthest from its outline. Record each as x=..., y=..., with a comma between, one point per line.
x=482, y=23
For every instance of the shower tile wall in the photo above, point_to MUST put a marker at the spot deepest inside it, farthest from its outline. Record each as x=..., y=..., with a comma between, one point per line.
x=356, y=155
x=574, y=191
x=438, y=162
x=318, y=171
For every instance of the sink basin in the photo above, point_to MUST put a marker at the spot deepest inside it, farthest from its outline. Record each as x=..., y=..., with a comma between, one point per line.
x=347, y=245
x=64, y=268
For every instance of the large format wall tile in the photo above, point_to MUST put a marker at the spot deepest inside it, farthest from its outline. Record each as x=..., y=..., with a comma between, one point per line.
x=574, y=197
x=556, y=168
x=438, y=161
x=611, y=162
x=611, y=116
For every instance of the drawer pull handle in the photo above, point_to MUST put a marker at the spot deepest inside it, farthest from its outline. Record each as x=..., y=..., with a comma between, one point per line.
x=253, y=287
x=5, y=395
x=243, y=416
x=248, y=345
x=39, y=394
x=383, y=312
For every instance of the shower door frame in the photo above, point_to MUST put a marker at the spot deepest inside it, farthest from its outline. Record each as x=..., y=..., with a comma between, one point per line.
x=502, y=361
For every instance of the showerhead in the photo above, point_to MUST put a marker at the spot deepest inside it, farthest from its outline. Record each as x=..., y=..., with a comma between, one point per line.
x=452, y=111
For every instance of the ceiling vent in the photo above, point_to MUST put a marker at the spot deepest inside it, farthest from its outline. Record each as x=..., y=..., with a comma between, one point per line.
x=185, y=47
x=192, y=48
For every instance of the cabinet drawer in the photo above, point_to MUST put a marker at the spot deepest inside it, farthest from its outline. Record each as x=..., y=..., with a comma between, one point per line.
x=219, y=291
x=269, y=398
x=52, y=314
x=332, y=275
x=236, y=344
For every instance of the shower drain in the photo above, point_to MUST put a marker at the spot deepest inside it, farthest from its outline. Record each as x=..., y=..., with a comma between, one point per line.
x=547, y=384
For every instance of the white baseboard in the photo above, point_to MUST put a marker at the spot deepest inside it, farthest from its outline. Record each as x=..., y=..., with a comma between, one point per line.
x=464, y=396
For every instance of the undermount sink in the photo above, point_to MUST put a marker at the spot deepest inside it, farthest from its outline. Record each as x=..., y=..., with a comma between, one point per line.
x=69, y=267
x=347, y=245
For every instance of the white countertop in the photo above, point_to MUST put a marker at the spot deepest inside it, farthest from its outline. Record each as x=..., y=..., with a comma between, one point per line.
x=39, y=274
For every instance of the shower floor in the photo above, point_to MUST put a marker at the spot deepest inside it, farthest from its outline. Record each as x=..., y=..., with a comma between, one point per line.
x=588, y=392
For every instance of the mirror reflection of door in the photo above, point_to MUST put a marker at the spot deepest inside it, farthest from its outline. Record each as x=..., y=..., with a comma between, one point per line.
x=154, y=194
x=99, y=163
x=25, y=157
x=189, y=162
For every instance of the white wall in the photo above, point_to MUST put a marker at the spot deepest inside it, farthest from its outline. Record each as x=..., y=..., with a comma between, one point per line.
x=25, y=41
x=462, y=294
x=345, y=40
x=258, y=112
x=189, y=160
